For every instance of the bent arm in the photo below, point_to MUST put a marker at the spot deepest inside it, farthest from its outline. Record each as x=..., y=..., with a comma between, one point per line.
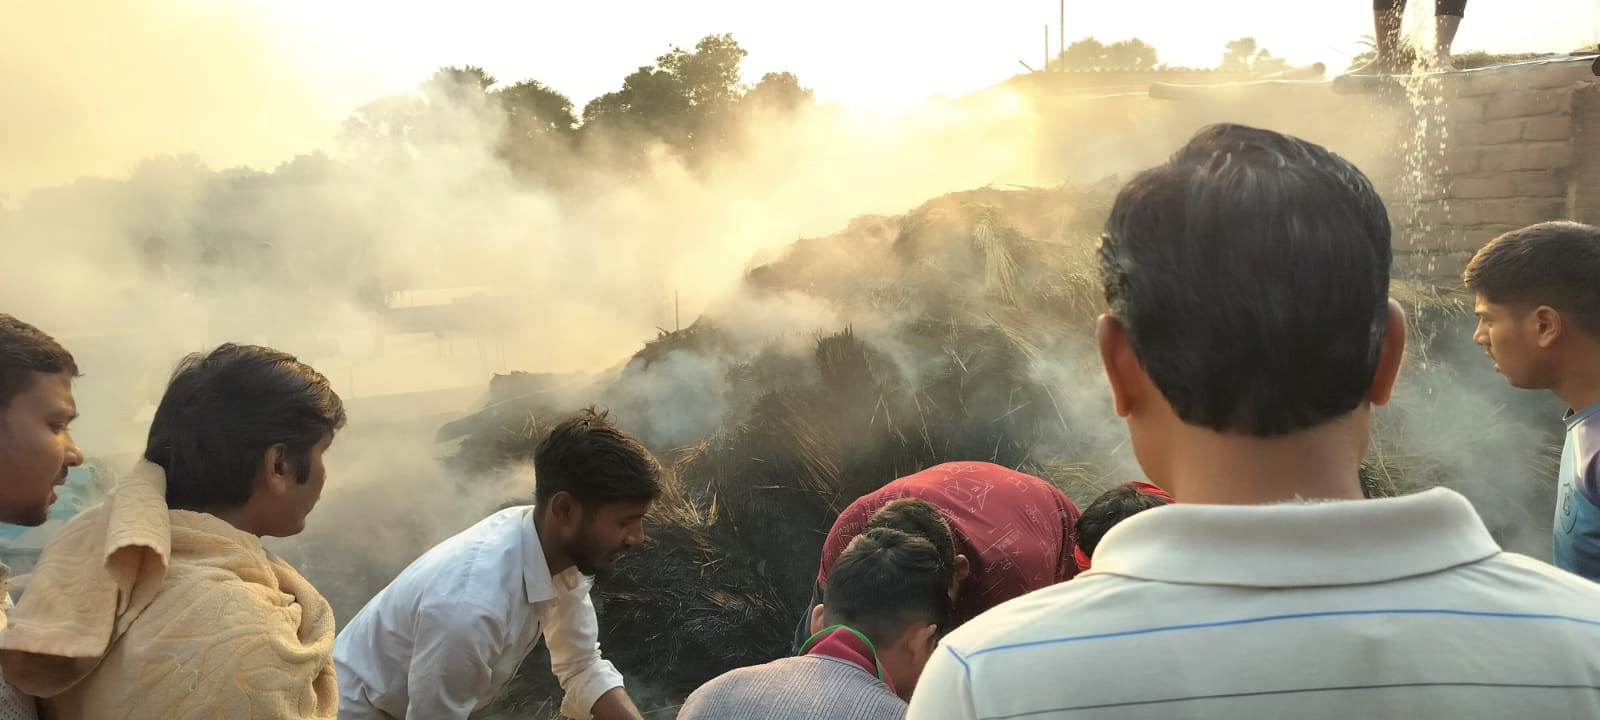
x=615, y=705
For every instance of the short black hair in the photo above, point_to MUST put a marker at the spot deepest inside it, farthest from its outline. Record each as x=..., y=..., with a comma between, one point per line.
x=885, y=580
x=25, y=351
x=919, y=518
x=1551, y=263
x=592, y=459
x=1112, y=507
x=1251, y=273
x=221, y=412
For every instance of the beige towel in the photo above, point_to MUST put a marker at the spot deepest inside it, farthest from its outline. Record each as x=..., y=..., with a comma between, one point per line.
x=140, y=612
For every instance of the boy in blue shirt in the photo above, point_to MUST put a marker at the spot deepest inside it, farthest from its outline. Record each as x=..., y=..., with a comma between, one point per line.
x=1538, y=307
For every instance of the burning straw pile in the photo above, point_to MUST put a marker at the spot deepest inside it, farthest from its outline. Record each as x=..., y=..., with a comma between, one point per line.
x=968, y=299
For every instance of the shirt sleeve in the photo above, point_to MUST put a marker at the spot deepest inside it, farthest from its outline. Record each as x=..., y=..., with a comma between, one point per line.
x=944, y=692
x=1067, y=565
x=452, y=661
x=572, y=633
x=1586, y=455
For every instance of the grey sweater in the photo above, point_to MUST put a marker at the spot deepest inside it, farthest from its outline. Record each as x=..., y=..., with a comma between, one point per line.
x=810, y=687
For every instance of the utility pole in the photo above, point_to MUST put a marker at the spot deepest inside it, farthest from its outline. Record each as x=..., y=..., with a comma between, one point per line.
x=1061, y=29
x=1047, y=47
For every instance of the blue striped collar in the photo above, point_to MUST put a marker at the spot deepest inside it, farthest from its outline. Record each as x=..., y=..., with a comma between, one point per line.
x=1573, y=417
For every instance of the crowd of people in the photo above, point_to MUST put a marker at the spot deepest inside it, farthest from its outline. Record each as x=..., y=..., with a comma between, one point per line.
x=1248, y=338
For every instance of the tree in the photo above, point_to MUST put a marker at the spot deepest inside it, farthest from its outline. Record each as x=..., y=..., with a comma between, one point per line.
x=1243, y=55
x=1091, y=54
x=458, y=83
x=710, y=74
x=533, y=109
x=778, y=91
x=685, y=99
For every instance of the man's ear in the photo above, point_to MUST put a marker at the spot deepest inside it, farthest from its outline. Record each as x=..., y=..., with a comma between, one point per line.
x=963, y=567
x=277, y=472
x=817, y=616
x=1390, y=357
x=563, y=506
x=924, y=640
x=1546, y=326
x=1120, y=364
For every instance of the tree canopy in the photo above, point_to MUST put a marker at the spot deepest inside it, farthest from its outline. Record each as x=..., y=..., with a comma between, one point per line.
x=693, y=100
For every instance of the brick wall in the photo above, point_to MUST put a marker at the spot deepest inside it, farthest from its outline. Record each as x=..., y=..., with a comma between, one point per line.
x=1459, y=158
x=1504, y=150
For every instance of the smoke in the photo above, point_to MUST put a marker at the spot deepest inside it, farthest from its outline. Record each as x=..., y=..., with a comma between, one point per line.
x=409, y=272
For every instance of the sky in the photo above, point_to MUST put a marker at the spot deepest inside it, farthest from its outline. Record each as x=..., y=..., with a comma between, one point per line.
x=91, y=87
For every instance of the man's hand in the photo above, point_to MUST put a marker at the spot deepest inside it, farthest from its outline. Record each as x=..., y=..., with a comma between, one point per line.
x=615, y=705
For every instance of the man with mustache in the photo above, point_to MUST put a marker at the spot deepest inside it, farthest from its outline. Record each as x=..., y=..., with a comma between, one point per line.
x=36, y=448
x=444, y=638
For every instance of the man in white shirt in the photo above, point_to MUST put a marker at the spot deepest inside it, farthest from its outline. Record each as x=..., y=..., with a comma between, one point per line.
x=1249, y=336
x=36, y=448
x=444, y=638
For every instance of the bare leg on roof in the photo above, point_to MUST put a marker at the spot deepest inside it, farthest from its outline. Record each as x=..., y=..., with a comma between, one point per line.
x=1446, y=20
x=1386, y=16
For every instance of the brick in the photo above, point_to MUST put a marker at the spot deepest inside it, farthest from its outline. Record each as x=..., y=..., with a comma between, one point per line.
x=1527, y=103
x=1558, y=75
x=1463, y=213
x=1476, y=237
x=1498, y=132
x=1502, y=211
x=1550, y=184
x=1487, y=82
x=1465, y=110
x=1471, y=188
x=1528, y=156
x=1460, y=161
x=1529, y=212
x=1548, y=127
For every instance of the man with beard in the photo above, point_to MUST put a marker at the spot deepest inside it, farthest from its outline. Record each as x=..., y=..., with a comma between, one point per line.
x=36, y=449
x=445, y=637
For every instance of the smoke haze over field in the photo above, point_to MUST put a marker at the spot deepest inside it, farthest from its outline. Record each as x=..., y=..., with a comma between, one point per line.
x=409, y=269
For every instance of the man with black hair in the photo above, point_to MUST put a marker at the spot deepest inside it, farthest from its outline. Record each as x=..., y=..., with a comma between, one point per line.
x=1003, y=532
x=1538, y=307
x=1249, y=337
x=445, y=637
x=870, y=638
x=36, y=447
x=1110, y=509
x=162, y=601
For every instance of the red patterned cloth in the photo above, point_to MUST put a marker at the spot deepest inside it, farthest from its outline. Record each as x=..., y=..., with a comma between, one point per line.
x=1017, y=531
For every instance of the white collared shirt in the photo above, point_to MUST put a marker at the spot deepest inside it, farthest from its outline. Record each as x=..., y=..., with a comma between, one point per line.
x=1392, y=608
x=445, y=637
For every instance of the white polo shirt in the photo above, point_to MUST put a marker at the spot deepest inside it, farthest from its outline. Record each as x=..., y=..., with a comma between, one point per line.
x=1393, y=608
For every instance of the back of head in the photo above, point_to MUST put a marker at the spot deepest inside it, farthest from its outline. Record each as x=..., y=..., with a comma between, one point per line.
x=223, y=410
x=1112, y=507
x=589, y=457
x=1553, y=263
x=26, y=352
x=886, y=580
x=1251, y=274
x=920, y=519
